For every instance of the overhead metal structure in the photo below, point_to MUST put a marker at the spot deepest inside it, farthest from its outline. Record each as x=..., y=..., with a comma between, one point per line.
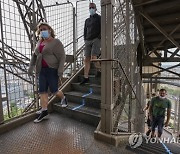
x=159, y=31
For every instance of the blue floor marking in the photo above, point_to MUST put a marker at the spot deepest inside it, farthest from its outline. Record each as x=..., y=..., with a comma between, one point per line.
x=166, y=148
x=83, y=100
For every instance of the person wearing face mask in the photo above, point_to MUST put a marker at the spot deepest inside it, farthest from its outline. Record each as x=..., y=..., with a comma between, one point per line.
x=92, y=39
x=157, y=109
x=48, y=60
x=148, y=117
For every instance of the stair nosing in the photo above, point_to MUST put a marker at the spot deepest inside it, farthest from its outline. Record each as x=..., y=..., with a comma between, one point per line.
x=71, y=93
x=82, y=111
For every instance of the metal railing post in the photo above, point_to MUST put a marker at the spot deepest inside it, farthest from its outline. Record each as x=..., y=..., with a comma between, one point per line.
x=1, y=106
x=74, y=38
x=33, y=46
x=4, y=61
x=175, y=116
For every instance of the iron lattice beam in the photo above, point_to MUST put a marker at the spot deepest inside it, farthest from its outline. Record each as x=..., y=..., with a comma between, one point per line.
x=163, y=69
x=163, y=82
x=149, y=60
x=147, y=76
x=30, y=16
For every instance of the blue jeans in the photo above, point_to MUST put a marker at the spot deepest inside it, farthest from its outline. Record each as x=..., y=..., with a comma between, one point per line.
x=158, y=121
x=48, y=78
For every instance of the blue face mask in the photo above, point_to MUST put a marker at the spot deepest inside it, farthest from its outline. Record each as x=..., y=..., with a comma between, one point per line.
x=92, y=11
x=44, y=34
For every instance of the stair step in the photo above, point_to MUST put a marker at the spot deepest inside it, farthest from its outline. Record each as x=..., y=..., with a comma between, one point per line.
x=85, y=114
x=92, y=79
x=86, y=88
x=138, y=150
x=92, y=100
x=153, y=147
x=93, y=71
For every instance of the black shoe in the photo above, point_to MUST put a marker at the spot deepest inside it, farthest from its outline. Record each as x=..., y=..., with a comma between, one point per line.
x=98, y=74
x=148, y=132
x=41, y=116
x=85, y=80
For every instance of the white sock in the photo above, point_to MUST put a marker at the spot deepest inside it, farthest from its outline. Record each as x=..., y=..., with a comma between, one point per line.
x=44, y=109
x=62, y=99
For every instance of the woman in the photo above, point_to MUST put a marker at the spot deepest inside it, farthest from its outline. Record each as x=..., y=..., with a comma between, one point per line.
x=48, y=59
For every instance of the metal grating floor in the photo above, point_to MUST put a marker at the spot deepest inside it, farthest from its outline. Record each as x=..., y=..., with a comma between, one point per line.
x=56, y=135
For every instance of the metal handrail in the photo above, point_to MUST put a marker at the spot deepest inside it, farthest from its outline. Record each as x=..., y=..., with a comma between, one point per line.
x=116, y=60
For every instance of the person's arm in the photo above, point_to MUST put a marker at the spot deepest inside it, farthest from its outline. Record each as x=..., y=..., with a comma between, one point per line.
x=85, y=30
x=168, y=114
x=147, y=106
x=150, y=109
x=60, y=55
x=32, y=64
x=100, y=28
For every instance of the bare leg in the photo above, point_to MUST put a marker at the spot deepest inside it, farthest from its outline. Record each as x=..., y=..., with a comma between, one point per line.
x=97, y=64
x=152, y=133
x=44, y=100
x=60, y=94
x=44, y=104
x=87, y=66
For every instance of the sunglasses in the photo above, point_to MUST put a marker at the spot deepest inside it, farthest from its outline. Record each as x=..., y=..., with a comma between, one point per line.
x=91, y=7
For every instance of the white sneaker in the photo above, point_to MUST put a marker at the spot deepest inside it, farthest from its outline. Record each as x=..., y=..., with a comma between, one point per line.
x=64, y=102
x=42, y=116
x=39, y=111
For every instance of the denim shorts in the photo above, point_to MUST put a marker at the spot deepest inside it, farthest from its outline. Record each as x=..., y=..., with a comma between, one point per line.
x=158, y=121
x=48, y=78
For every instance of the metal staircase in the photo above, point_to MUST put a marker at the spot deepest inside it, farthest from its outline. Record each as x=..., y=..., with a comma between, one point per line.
x=83, y=100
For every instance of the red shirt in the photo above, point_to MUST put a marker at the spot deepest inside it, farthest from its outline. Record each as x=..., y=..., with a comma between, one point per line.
x=41, y=46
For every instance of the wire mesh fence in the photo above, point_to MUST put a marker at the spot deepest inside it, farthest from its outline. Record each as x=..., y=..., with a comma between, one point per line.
x=15, y=51
x=125, y=45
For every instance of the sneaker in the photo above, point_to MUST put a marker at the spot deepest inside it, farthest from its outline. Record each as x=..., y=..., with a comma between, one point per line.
x=85, y=80
x=64, y=102
x=41, y=116
x=39, y=111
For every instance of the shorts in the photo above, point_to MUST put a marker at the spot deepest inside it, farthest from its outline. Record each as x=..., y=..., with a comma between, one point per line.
x=158, y=121
x=92, y=47
x=48, y=78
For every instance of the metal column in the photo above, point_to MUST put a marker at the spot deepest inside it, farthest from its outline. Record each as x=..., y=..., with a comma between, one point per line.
x=106, y=67
x=139, y=125
x=129, y=58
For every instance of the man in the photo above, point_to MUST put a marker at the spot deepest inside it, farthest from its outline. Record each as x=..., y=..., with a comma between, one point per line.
x=148, y=117
x=157, y=111
x=92, y=36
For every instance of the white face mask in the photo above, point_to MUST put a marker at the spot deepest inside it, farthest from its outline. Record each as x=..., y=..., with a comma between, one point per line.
x=92, y=11
x=162, y=97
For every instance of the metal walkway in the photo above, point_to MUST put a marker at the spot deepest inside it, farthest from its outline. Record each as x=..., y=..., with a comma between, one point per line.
x=56, y=135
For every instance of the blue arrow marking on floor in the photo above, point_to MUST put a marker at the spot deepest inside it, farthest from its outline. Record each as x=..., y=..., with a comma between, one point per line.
x=166, y=148
x=83, y=100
